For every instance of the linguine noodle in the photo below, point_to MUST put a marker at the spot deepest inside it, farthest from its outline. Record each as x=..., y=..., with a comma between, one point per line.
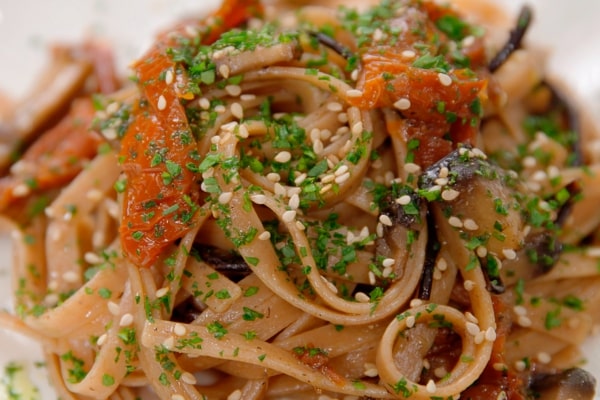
x=312, y=202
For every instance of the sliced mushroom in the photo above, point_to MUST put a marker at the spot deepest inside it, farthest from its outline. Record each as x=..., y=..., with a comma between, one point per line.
x=572, y=384
x=230, y=264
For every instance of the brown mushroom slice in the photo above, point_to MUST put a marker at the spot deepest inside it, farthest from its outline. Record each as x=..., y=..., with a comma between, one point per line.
x=572, y=384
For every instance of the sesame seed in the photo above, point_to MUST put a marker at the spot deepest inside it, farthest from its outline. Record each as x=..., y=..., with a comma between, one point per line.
x=481, y=251
x=388, y=262
x=328, y=178
x=410, y=321
x=326, y=188
x=416, y=303
x=479, y=338
x=162, y=102
x=237, y=110
x=544, y=357
x=21, y=190
x=437, y=274
x=520, y=310
x=379, y=229
x=179, y=329
x=318, y=146
x=126, y=320
x=334, y=107
x=273, y=177
x=188, y=378
x=102, y=339
x=442, y=264
x=404, y=200
x=70, y=276
x=177, y=397
x=455, y=222
x=510, y=254
x=431, y=387
x=440, y=372
x=220, y=109
x=266, y=235
x=371, y=370
x=468, y=41
x=357, y=128
x=354, y=75
x=204, y=103
x=402, y=104
x=279, y=189
x=233, y=90
x=235, y=395
x=362, y=297
x=288, y=216
x=520, y=365
x=243, y=131
x=412, y=168
x=94, y=195
x=387, y=271
x=169, y=76
x=444, y=172
x=354, y=93
x=441, y=181
x=300, y=225
x=342, y=178
x=372, y=278
x=300, y=178
x=294, y=202
x=408, y=54
x=162, y=292
x=225, y=197
x=444, y=79
x=469, y=285
x=490, y=334
x=470, y=317
x=224, y=70
x=113, y=308
x=385, y=220
x=470, y=224
x=92, y=258
x=283, y=157
x=258, y=198
x=524, y=321
x=472, y=328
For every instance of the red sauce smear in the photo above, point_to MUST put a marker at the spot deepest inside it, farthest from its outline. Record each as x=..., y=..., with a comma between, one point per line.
x=161, y=192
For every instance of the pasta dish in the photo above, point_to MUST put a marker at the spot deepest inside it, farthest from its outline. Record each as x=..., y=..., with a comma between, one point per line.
x=307, y=202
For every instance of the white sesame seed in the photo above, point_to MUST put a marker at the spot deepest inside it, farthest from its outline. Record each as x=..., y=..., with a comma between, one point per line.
x=235, y=395
x=273, y=177
x=510, y=254
x=329, y=284
x=387, y=271
x=469, y=285
x=490, y=334
x=437, y=274
x=266, y=235
x=362, y=297
x=404, y=200
x=481, y=251
x=342, y=178
x=524, y=321
x=169, y=76
x=258, y=198
x=455, y=222
x=279, y=189
x=354, y=75
x=388, y=262
x=162, y=102
x=179, y=329
x=431, y=387
x=479, y=338
x=357, y=128
x=204, y=103
x=440, y=372
x=283, y=157
x=379, y=229
x=92, y=258
x=470, y=317
x=468, y=41
x=162, y=292
x=318, y=146
x=408, y=54
x=294, y=202
x=233, y=90
x=70, y=276
x=113, y=308
x=237, y=110
x=520, y=365
x=442, y=264
x=520, y=310
x=444, y=79
x=288, y=216
x=126, y=320
x=243, y=131
x=94, y=195
x=402, y=104
x=334, y=107
x=248, y=97
x=21, y=190
x=328, y=178
x=220, y=109
x=102, y=339
x=385, y=220
x=326, y=188
x=372, y=278
x=441, y=181
x=354, y=93
x=410, y=321
x=416, y=303
x=412, y=168
x=299, y=225
x=188, y=378
x=377, y=34
x=225, y=197
x=472, y=328
x=177, y=396
x=470, y=224
x=544, y=357
x=371, y=370
x=300, y=178
x=224, y=70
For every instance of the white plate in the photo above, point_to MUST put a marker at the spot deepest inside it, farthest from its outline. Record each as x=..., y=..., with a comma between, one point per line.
x=568, y=28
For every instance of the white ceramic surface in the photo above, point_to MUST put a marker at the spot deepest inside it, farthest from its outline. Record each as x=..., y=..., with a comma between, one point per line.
x=569, y=29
